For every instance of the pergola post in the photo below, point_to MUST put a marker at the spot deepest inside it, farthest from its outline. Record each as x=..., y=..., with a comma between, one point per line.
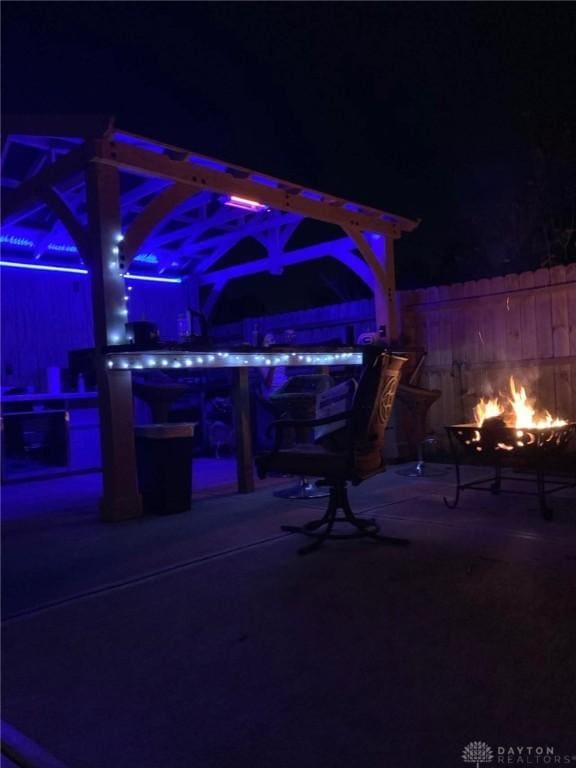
x=385, y=306
x=120, y=500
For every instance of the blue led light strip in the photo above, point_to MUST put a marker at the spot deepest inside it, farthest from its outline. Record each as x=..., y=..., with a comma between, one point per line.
x=78, y=271
x=153, y=279
x=25, y=242
x=43, y=268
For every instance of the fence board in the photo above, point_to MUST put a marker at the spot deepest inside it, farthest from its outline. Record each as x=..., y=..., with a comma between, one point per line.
x=528, y=324
x=564, y=389
x=512, y=320
x=544, y=340
x=560, y=329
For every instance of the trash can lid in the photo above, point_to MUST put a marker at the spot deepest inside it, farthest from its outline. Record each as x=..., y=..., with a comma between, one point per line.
x=166, y=431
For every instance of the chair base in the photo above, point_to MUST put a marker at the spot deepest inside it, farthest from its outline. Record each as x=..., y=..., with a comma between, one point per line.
x=339, y=501
x=304, y=490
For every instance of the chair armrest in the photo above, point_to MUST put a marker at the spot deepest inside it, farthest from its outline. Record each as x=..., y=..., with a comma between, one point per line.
x=281, y=424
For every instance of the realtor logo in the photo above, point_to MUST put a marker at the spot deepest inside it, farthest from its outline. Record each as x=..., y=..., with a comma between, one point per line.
x=477, y=752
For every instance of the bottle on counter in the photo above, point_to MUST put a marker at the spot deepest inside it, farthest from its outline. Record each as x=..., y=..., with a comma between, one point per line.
x=183, y=326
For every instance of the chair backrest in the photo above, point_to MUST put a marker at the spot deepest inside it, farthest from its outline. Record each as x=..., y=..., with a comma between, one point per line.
x=371, y=412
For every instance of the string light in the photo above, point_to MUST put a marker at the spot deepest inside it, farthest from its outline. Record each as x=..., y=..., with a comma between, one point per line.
x=136, y=361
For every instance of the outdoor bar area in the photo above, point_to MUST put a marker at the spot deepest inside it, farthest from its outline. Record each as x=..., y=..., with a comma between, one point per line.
x=127, y=398
x=122, y=246
x=288, y=385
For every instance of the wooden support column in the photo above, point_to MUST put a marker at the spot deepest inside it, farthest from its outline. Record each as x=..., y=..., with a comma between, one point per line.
x=191, y=292
x=244, y=458
x=120, y=500
x=385, y=300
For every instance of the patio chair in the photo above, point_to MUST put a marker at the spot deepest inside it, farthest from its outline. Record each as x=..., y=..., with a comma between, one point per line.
x=296, y=399
x=350, y=455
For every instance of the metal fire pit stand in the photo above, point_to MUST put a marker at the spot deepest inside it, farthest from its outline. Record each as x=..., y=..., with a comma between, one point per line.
x=545, y=483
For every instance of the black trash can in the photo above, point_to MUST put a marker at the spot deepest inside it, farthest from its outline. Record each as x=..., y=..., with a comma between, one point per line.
x=164, y=456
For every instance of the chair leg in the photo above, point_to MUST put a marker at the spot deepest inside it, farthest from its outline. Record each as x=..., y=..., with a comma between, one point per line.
x=304, y=490
x=339, y=501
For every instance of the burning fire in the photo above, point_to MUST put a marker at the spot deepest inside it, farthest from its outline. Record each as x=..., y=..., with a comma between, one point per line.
x=516, y=411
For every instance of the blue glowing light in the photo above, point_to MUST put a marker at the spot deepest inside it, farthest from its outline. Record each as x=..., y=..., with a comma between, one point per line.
x=21, y=242
x=62, y=247
x=78, y=271
x=311, y=195
x=25, y=242
x=153, y=279
x=208, y=163
x=149, y=258
x=264, y=181
x=43, y=267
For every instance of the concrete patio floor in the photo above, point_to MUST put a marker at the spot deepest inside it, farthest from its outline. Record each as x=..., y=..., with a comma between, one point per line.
x=202, y=639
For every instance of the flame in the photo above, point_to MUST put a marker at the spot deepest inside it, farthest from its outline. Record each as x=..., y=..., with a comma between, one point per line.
x=516, y=411
x=486, y=409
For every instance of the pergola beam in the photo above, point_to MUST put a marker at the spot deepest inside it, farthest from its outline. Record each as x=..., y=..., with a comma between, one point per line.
x=339, y=249
x=292, y=199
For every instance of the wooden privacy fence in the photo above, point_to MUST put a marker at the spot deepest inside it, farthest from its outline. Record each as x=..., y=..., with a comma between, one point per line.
x=312, y=326
x=476, y=335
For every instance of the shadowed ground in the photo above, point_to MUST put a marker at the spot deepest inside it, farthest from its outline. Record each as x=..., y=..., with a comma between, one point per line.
x=204, y=640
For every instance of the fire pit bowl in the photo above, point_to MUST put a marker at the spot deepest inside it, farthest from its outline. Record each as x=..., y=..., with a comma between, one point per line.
x=539, y=451
x=495, y=440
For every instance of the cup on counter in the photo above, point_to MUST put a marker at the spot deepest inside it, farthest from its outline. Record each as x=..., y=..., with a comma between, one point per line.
x=53, y=379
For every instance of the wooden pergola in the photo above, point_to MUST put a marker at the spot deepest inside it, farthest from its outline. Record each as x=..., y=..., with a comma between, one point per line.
x=81, y=192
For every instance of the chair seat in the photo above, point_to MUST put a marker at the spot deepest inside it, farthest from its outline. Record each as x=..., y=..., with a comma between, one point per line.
x=307, y=459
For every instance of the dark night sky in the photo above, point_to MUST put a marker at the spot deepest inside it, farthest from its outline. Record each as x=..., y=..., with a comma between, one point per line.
x=429, y=110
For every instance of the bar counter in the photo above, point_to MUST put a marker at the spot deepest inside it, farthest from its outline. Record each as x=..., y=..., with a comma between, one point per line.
x=120, y=360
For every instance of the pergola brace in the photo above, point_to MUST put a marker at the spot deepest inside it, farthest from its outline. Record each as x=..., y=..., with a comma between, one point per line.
x=151, y=217
x=76, y=231
x=27, y=198
x=212, y=298
x=378, y=252
x=339, y=249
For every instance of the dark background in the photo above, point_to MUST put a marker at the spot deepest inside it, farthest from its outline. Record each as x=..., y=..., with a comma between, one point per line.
x=461, y=114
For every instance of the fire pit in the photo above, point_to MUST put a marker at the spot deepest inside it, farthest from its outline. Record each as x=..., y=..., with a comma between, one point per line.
x=510, y=434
